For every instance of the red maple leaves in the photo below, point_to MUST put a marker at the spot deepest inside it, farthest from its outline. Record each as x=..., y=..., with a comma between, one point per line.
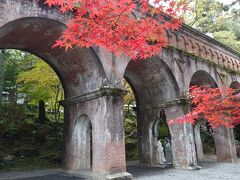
x=112, y=24
x=213, y=106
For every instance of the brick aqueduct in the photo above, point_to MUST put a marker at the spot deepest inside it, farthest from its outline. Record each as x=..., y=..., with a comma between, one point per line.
x=92, y=81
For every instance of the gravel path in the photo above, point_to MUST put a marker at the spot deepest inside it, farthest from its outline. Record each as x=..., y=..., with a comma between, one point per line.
x=209, y=171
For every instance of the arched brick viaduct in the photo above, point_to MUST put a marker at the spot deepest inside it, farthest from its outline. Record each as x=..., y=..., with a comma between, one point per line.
x=92, y=81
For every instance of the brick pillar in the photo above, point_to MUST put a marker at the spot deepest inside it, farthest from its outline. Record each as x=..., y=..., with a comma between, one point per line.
x=104, y=108
x=74, y=158
x=225, y=145
x=145, y=117
x=198, y=142
x=183, y=144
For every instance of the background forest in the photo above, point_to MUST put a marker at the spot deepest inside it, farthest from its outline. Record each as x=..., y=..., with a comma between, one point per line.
x=31, y=123
x=31, y=119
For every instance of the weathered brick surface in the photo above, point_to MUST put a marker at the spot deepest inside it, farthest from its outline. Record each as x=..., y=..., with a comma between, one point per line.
x=160, y=83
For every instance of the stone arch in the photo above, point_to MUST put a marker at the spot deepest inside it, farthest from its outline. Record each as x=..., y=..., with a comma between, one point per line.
x=153, y=83
x=34, y=29
x=233, y=64
x=37, y=36
x=202, y=78
x=197, y=49
x=215, y=57
x=221, y=59
x=82, y=142
x=152, y=78
x=235, y=85
x=204, y=52
x=182, y=42
x=166, y=35
x=236, y=131
x=222, y=136
x=210, y=54
x=202, y=74
x=227, y=62
x=173, y=39
x=190, y=46
x=238, y=65
x=198, y=140
x=157, y=133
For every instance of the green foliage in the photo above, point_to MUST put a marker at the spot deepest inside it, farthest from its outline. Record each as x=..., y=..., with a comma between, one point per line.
x=205, y=15
x=222, y=21
x=130, y=125
x=228, y=38
x=33, y=145
x=27, y=163
x=41, y=83
x=163, y=130
x=208, y=143
x=11, y=71
x=11, y=117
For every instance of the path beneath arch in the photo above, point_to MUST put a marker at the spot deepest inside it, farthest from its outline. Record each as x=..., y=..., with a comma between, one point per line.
x=209, y=171
x=213, y=171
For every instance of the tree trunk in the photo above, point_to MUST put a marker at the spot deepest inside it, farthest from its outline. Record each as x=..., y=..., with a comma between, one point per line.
x=42, y=112
x=2, y=60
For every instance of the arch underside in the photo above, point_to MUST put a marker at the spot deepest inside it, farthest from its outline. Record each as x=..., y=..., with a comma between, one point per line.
x=202, y=78
x=78, y=69
x=152, y=81
x=235, y=85
x=153, y=84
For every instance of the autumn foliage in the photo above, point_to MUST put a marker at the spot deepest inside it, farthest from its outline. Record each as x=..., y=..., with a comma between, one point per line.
x=210, y=104
x=130, y=27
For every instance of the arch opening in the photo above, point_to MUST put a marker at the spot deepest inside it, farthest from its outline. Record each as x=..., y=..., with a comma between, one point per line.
x=153, y=83
x=204, y=136
x=78, y=69
x=82, y=143
x=205, y=143
x=31, y=127
x=161, y=140
x=236, y=85
x=130, y=124
x=37, y=35
x=202, y=78
x=152, y=78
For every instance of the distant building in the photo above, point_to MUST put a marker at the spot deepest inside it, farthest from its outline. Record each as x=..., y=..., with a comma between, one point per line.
x=5, y=96
x=20, y=97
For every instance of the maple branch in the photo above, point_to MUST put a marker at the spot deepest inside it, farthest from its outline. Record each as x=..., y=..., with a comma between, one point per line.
x=125, y=10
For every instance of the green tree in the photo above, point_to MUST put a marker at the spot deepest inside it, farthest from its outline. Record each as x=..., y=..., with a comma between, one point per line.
x=12, y=67
x=228, y=38
x=2, y=62
x=217, y=19
x=41, y=83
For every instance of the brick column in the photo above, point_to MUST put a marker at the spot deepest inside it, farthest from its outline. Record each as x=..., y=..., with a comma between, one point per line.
x=183, y=144
x=144, y=119
x=182, y=135
x=104, y=107
x=198, y=142
x=225, y=145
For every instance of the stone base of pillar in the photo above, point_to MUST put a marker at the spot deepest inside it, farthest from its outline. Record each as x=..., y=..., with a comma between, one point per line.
x=85, y=174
